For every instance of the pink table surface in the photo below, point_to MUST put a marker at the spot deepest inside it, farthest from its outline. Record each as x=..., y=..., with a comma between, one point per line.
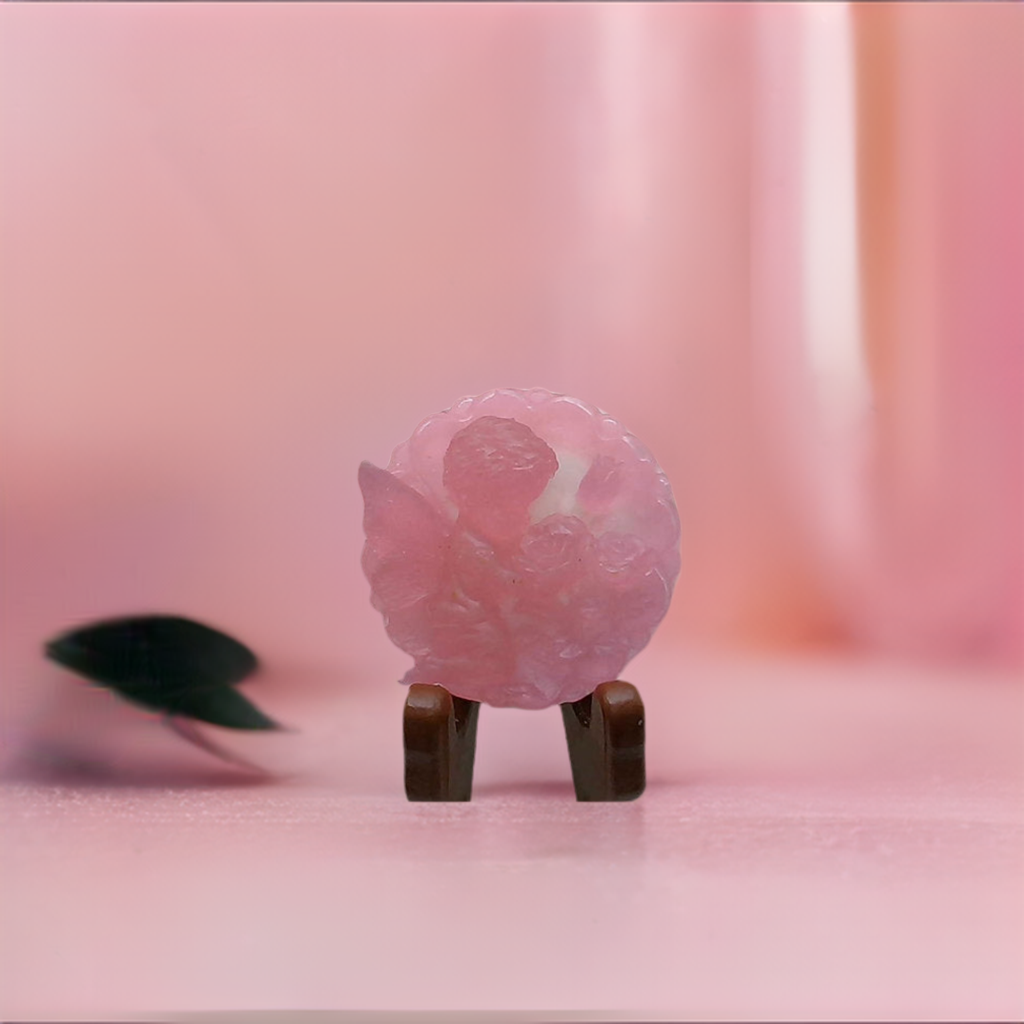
x=820, y=839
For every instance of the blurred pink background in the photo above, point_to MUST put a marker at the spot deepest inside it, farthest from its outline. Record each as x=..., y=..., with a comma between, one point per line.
x=245, y=247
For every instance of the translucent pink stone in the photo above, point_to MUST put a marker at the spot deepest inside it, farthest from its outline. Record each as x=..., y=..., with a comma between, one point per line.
x=521, y=546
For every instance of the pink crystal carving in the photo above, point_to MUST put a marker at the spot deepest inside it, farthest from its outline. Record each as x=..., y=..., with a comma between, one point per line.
x=521, y=546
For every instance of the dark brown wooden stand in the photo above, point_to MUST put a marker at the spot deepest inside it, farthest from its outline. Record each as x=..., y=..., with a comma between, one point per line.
x=604, y=731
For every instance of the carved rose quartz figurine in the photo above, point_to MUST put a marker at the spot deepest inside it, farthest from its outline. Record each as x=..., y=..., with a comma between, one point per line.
x=521, y=546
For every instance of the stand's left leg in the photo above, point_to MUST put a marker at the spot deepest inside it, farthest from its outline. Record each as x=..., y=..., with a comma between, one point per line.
x=439, y=732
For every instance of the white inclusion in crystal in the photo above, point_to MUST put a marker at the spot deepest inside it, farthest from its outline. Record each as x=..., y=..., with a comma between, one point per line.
x=559, y=497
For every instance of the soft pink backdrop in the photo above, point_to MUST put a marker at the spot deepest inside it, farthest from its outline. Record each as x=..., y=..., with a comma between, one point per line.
x=244, y=248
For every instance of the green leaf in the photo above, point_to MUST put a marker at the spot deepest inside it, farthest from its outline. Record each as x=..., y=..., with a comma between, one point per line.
x=223, y=706
x=165, y=663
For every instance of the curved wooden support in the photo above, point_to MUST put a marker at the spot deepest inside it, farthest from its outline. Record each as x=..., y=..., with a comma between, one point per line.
x=440, y=744
x=605, y=734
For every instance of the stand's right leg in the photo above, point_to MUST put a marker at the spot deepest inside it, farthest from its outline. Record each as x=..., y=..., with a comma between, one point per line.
x=605, y=734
